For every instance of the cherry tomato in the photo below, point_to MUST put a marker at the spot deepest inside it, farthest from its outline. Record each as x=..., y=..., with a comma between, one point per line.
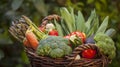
x=89, y=53
x=53, y=33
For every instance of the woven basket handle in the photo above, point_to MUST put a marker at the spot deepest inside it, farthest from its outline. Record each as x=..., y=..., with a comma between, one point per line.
x=49, y=18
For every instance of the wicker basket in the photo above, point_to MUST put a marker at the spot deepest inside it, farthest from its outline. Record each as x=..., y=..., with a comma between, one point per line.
x=67, y=61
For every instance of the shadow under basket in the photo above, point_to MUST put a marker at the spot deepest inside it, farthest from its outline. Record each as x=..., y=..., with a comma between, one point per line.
x=69, y=61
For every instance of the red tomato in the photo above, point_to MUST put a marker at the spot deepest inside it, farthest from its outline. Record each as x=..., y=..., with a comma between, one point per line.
x=89, y=53
x=53, y=33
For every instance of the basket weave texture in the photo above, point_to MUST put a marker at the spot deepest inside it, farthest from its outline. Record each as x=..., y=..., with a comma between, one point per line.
x=67, y=61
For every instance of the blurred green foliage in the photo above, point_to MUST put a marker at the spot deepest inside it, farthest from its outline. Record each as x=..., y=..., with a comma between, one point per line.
x=12, y=52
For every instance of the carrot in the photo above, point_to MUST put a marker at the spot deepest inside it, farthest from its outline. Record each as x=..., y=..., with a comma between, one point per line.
x=32, y=39
x=26, y=43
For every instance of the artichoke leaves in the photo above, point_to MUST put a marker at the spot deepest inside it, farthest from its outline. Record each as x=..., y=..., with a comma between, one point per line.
x=105, y=44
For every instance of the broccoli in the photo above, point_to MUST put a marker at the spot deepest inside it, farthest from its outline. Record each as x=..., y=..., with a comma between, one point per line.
x=54, y=46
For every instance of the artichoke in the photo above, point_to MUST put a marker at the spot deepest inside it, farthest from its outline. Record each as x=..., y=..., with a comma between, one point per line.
x=105, y=44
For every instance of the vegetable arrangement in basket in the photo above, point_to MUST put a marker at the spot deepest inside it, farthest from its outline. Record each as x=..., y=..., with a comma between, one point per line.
x=68, y=37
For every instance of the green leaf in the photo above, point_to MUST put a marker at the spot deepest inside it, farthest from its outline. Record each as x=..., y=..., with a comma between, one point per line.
x=73, y=18
x=103, y=26
x=94, y=26
x=67, y=17
x=96, y=22
x=80, y=22
x=90, y=19
x=16, y=4
x=64, y=28
x=110, y=32
x=58, y=27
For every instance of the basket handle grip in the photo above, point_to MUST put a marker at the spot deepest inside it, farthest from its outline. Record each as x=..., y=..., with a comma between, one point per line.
x=49, y=18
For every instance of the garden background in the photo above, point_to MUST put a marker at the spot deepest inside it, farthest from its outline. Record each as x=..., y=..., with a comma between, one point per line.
x=12, y=52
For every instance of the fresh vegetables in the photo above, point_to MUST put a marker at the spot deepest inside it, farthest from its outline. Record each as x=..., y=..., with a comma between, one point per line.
x=56, y=39
x=91, y=29
x=75, y=41
x=54, y=46
x=25, y=31
x=57, y=53
x=68, y=37
x=49, y=27
x=53, y=33
x=26, y=43
x=32, y=40
x=89, y=53
x=39, y=34
x=81, y=35
x=76, y=38
x=105, y=44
